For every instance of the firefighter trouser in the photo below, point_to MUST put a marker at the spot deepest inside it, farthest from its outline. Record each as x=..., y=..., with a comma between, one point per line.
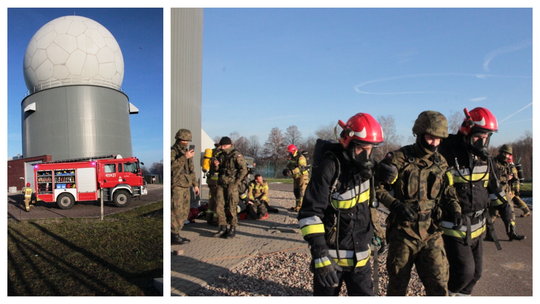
x=358, y=283
x=257, y=210
x=211, y=214
x=520, y=204
x=299, y=187
x=27, y=200
x=227, y=196
x=465, y=263
x=430, y=260
x=180, y=203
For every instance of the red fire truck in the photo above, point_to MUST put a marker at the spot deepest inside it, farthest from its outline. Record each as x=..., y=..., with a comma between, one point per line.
x=66, y=182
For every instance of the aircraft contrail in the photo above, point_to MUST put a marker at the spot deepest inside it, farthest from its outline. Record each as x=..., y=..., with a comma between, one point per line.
x=517, y=112
x=507, y=49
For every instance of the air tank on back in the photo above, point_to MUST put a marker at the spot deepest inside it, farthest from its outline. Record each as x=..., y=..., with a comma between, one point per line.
x=73, y=69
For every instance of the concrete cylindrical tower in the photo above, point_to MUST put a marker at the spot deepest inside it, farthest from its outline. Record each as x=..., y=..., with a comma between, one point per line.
x=73, y=69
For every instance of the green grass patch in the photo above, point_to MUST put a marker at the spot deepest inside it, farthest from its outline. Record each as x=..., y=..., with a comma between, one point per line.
x=279, y=180
x=119, y=256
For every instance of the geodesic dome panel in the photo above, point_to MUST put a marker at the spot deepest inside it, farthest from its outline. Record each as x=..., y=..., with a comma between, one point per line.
x=73, y=50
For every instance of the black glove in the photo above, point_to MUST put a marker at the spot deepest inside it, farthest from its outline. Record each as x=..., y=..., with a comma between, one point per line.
x=287, y=172
x=324, y=268
x=458, y=221
x=386, y=173
x=402, y=211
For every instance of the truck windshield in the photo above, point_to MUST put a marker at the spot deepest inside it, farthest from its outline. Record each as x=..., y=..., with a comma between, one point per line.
x=130, y=167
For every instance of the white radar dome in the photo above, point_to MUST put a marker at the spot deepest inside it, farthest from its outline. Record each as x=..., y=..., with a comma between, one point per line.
x=73, y=50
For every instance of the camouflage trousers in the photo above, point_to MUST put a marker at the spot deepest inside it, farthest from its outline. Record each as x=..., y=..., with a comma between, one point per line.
x=379, y=230
x=430, y=260
x=211, y=215
x=227, y=197
x=299, y=187
x=180, y=203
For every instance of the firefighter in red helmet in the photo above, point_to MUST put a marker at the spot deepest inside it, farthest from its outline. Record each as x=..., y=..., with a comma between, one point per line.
x=297, y=167
x=477, y=187
x=335, y=217
x=27, y=191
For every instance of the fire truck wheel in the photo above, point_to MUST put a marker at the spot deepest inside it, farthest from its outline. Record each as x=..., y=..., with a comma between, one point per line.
x=65, y=201
x=121, y=198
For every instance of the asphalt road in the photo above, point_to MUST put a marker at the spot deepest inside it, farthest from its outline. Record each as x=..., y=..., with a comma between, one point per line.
x=42, y=210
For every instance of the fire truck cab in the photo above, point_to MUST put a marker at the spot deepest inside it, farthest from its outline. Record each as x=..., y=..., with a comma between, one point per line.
x=66, y=182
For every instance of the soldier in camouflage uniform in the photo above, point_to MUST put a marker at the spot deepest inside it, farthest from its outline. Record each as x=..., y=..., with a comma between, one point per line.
x=183, y=178
x=258, y=197
x=232, y=169
x=297, y=168
x=417, y=175
x=506, y=175
x=515, y=187
x=212, y=181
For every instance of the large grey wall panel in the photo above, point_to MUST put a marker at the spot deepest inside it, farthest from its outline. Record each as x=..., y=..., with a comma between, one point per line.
x=186, y=74
x=75, y=122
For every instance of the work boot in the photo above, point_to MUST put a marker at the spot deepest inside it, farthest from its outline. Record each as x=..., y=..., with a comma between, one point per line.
x=384, y=248
x=512, y=235
x=222, y=230
x=176, y=239
x=526, y=213
x=232, y=232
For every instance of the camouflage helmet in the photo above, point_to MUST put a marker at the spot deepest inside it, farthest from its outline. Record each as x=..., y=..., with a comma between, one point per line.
x=183, y=134
x=431, y=122
x=505, y=149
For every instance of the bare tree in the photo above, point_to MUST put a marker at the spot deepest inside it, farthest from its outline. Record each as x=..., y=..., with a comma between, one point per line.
x=326, y=132
x=254, y=147
x=234, y=136
x=293, y=135
x=242, y=144
x=275, y=148
x=392, y=141
x=217, y=139
x=454, y=122
x=157, y=168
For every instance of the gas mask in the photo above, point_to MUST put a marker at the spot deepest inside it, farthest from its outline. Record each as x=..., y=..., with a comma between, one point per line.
x=362, y=161
x=478, y=147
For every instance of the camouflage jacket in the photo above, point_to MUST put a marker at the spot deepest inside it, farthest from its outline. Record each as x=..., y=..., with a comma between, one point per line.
x=258, y=191
x=422, y=184
x=232, y=167
x=504, y=170
x=182, y=168
x=213, y=172
x=298, y=166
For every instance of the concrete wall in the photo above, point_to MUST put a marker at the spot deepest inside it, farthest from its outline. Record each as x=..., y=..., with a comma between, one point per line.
x=186, y=75
x=75, y=122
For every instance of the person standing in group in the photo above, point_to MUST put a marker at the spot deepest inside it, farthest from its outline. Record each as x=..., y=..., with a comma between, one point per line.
x=183, y=178
x=515, y=187
x=212, y=181
x=335, y=216
x=475, y=181
x=412, y=183
x=27, y=191
x=508, y=177
x=297, y=167
x=232, y=169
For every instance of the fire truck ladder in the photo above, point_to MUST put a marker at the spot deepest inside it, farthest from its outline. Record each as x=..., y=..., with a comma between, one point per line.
x=80, y=159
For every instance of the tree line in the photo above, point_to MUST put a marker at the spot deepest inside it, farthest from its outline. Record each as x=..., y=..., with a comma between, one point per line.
x=271, y=157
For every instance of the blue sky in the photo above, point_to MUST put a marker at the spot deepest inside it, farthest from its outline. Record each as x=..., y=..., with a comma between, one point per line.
x=265, y=68
x=139, y=32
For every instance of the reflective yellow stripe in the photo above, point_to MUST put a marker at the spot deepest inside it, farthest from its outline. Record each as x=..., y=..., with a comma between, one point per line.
x=311, y=225
x=350, y=198
x=450, y=178
x=311, y=229
x=322, y=262
x=462, y=234
x=347, y=257
x=464, y=175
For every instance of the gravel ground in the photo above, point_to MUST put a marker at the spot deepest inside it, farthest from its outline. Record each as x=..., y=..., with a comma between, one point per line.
x=285, y=273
